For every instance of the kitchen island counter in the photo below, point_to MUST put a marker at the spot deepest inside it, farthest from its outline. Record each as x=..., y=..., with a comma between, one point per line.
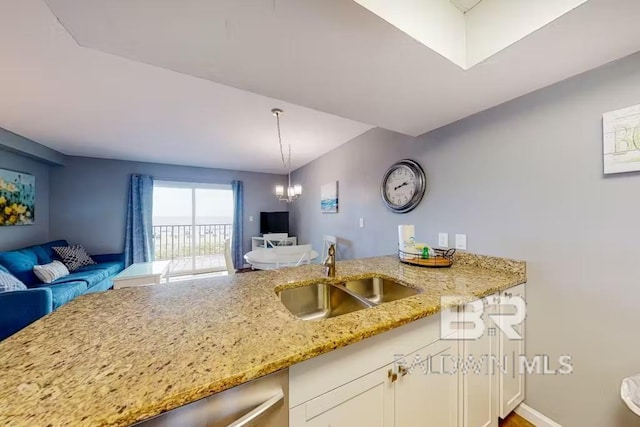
x=125, y=355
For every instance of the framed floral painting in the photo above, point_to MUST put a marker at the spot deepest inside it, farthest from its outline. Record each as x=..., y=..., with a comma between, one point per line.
x=17, y=198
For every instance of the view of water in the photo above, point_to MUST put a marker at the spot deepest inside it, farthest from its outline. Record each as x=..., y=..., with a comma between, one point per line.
x=186, y=220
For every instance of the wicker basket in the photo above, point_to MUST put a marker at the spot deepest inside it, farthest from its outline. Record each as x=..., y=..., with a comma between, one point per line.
x=442, y=258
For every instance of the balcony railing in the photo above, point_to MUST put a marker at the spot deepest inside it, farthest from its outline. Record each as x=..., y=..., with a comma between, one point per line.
x=172, y=242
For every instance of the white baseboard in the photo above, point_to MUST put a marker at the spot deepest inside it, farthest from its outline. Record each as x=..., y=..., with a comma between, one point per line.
x=534, y=417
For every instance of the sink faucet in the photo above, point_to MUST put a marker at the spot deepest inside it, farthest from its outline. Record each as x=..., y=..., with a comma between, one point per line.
x=330, y=261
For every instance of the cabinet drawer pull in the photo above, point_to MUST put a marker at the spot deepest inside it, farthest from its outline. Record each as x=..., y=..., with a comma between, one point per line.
x=392, y=375
x=403, y=371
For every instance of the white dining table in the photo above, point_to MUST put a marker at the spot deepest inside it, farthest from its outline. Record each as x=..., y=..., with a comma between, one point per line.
x=270, y=259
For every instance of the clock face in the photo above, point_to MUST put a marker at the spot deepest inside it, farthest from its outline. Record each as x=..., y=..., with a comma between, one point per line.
x=403, y=186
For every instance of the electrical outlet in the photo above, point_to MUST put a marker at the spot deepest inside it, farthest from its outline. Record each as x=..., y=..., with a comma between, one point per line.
x=461, y=241
x=250, y=219
x=361, y=222
x=443, y=240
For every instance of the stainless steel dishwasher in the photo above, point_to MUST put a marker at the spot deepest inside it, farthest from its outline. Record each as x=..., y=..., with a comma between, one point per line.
x=263, y=402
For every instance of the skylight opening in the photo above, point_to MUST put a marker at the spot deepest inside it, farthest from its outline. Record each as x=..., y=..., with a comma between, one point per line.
x=467, y=32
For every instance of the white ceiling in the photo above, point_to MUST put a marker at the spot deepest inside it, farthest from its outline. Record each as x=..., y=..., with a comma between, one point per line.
x=332, y=56
x=338, y=57
x=465, y=5
x=84, y=102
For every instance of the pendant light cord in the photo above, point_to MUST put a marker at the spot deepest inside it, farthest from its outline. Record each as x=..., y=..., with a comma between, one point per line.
x=284, y=163
x=287, y=167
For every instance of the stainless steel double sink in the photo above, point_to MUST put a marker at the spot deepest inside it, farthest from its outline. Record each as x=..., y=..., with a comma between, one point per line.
x=323, y=300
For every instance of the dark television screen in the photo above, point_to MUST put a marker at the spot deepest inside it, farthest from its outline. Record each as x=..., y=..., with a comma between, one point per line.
x=274, y=222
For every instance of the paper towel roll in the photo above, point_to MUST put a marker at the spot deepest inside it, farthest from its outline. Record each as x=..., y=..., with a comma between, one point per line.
x=406, y=237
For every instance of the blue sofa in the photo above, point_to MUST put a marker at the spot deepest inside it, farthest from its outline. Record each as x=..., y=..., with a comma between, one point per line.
x=20, y=308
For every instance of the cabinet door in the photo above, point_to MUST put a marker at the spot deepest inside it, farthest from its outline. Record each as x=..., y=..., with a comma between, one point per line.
x=426, y=393
x=511, y=384
x=477, y=377
x=366, y=401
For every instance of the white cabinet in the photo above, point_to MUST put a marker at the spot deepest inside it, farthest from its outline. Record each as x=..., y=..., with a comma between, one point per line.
x=409, y=393
x=273, y=240
x=410, y=377
x=511, y=384
x=426, y=391
x=366, y=401
x=477, y=377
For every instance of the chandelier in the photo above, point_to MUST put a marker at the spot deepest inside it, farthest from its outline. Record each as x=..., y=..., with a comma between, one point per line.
x=293, y=191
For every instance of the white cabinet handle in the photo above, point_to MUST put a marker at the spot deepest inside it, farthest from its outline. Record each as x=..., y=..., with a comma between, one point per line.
x=259, y=411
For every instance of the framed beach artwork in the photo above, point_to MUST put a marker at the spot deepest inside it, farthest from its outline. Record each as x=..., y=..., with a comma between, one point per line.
x=17, y=198
x=621, y=140
x=329, y=197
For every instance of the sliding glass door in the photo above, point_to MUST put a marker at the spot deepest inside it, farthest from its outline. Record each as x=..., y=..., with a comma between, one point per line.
x=190, y=224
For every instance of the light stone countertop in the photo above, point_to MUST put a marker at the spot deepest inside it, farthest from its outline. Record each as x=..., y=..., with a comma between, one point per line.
x=118, y=357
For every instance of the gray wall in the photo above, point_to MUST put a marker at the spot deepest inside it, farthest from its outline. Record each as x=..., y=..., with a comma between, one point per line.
x=14, y=237
x=523, y=180
x=358, y=166
x=89, y=198
x=15, y=143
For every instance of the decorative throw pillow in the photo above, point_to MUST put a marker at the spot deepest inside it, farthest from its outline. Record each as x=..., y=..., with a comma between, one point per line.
x=8, y=283
x=49, y=273
x=73, y=256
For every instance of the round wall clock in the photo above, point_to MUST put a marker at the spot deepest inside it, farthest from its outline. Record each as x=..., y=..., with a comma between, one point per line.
x=403, y=186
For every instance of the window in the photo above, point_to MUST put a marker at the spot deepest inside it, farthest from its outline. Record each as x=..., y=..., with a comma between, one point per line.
x=190, y=224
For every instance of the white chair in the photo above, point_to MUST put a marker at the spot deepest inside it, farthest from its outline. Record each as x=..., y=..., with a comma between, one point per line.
x=271, y=240
x=327, y=241
x=231, y=270
x=287, y=255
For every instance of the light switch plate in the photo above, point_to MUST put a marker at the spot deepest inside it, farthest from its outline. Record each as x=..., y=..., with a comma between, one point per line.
x=250, y=219
x=361, y=222
x=443, y=240
x=461, y=242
